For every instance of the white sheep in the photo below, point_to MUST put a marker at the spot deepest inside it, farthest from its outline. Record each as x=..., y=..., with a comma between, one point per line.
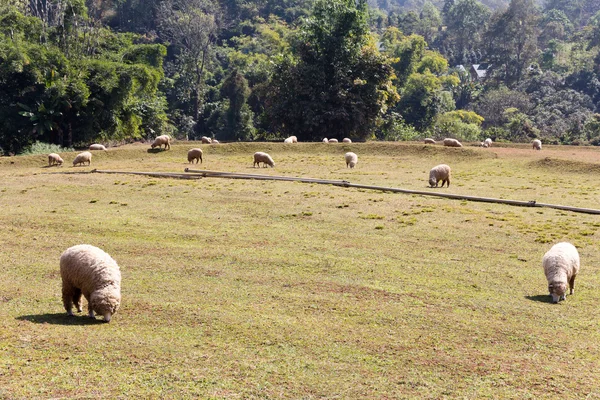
x=287, y=140
x=160, y=140
x=325, y=140
x=346, y=140
x=561, y=265
x=97, y=146
x=333, y=140
x=488, y=142
x=294, y=139
x=54, y=159
x=89, y=271
x=206, y=140
x=351, y=159
x=214, y=141
x=452, y=143
x=536, y=144
x=195, y=154
x=81, y=158
x=439, y=173
x=260, y=157
x=429, y=141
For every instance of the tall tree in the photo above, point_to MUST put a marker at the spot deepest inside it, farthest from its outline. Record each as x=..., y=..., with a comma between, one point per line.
x=465, y=23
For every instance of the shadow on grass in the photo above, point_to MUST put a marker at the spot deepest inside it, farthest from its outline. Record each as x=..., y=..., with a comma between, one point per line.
x=60, y=319
x=154, y=151
x=542, y=298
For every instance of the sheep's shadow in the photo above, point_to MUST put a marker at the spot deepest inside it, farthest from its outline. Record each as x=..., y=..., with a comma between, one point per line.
x=60, y=319
x=542, y=298
x=154, y=151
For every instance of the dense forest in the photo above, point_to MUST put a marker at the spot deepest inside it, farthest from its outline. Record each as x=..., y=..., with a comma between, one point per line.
x=77, y=71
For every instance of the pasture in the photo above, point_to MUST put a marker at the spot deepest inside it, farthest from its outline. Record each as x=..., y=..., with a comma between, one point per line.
x=240, y=289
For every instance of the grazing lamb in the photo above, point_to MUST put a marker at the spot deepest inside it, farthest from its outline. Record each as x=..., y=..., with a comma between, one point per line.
x=439, y=173
x=260, y=157
x=97, y=146
x=333, y=140
x=85, y=157
x=206, y=140
x=488, y=142
x=346, y=140
x=536, y=144
x=195, y=154
x=561, y=265
x=452, y=143
x=54, y=159
x=160, y=140
x=87, y=270
x=325, y=140
x=429, y=141
x=351, y=159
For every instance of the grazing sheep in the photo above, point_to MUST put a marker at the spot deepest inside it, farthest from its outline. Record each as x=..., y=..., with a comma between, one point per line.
x=561, y=265
x=294, y=139
x=82, y=158
x=536, y=144
x=260, y=157
x=429, y=141
x=160, y=140
x=346, y=140
x=325, y=140
x=97, y=146
x=439, y=173
x=214, y=141
x=488, y=142
x=333, y=140
x=351, y=159
x=54, y=159
x=287, y=140
x=483, y=144
x=206, y=140
x=452, y=143
x=195, y=154
x=87, y=270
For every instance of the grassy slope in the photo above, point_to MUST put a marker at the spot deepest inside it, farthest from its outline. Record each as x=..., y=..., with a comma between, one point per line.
x=254, y=289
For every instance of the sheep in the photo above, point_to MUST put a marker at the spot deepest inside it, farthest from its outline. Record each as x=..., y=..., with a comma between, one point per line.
x=214, y=141
x=260, y=157
x=89, y=271
x=206, y=140
x=325, y=140
x=452, y=143
x=97, y=146
x=488, y=142
x=536, y=144
x=351, y=159
x=439, y=173
x=54, y=159
x=561, y=265
x=483, y=144
x=288, y=140
x=346, y=140
x=429, y=141
x=333, y=140
x=195, y=154
x=160, y=140
x=82, y=158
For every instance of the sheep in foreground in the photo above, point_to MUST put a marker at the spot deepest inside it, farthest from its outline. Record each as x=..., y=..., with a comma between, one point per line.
x=439, y=173
x=346, y=140
x=351, y=159
x=82, y=158
x=206, y=140
x=325, y=140
x=160, y=140
x=54, y=159
x=536, y=144
x=452, y=143
x=195, y=154
x=561, y=265
x=97, y=146
x=89, y=271
x=260, y=157
x=488, y=142
x=429, y=141
x=333, y=140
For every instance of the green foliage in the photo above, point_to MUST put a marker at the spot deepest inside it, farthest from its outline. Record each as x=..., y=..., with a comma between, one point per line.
x=460, y=124
x=395, y=129
x=44, y=148
x=237, y=118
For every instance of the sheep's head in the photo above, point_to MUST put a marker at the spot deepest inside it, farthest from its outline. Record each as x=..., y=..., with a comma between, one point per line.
x=352, y=164
x=106, y=301
x=432, y=181
x=558, y=291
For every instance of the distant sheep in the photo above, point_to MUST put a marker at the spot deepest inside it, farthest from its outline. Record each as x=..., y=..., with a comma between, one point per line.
x=346, y=140
x=333, y=140
x=206, y=140
x=291, y=139
x=160, y=140
x=484, y=145
x=488, y=142
x=287, y=140
x=214, y=141
x=536, y=144
x=429, y=141
x=351, y=159
x=82, y=158
x=561, y=265
x=89, y=271
x=325, y=140
x=439, y=173
x=195, y=154
x=452, y=143
x=260, y=157
x=97, y=146
x=54, y=159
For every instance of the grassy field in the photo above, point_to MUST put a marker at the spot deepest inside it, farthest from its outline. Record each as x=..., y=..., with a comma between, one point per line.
x=238, y=289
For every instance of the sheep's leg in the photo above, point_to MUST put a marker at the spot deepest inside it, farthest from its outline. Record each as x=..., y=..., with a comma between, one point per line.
x=77, y=299
x=67, y=294
x=572, y=284
x=90, y=310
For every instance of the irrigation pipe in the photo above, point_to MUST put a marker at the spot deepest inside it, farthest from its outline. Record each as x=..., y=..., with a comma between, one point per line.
x=197, y=174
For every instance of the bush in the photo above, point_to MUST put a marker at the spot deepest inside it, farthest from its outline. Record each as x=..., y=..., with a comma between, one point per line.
x=44, y=148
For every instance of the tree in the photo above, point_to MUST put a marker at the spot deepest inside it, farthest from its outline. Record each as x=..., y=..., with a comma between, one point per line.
x=237, y=118
x=492, y=105
x=465, y=23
